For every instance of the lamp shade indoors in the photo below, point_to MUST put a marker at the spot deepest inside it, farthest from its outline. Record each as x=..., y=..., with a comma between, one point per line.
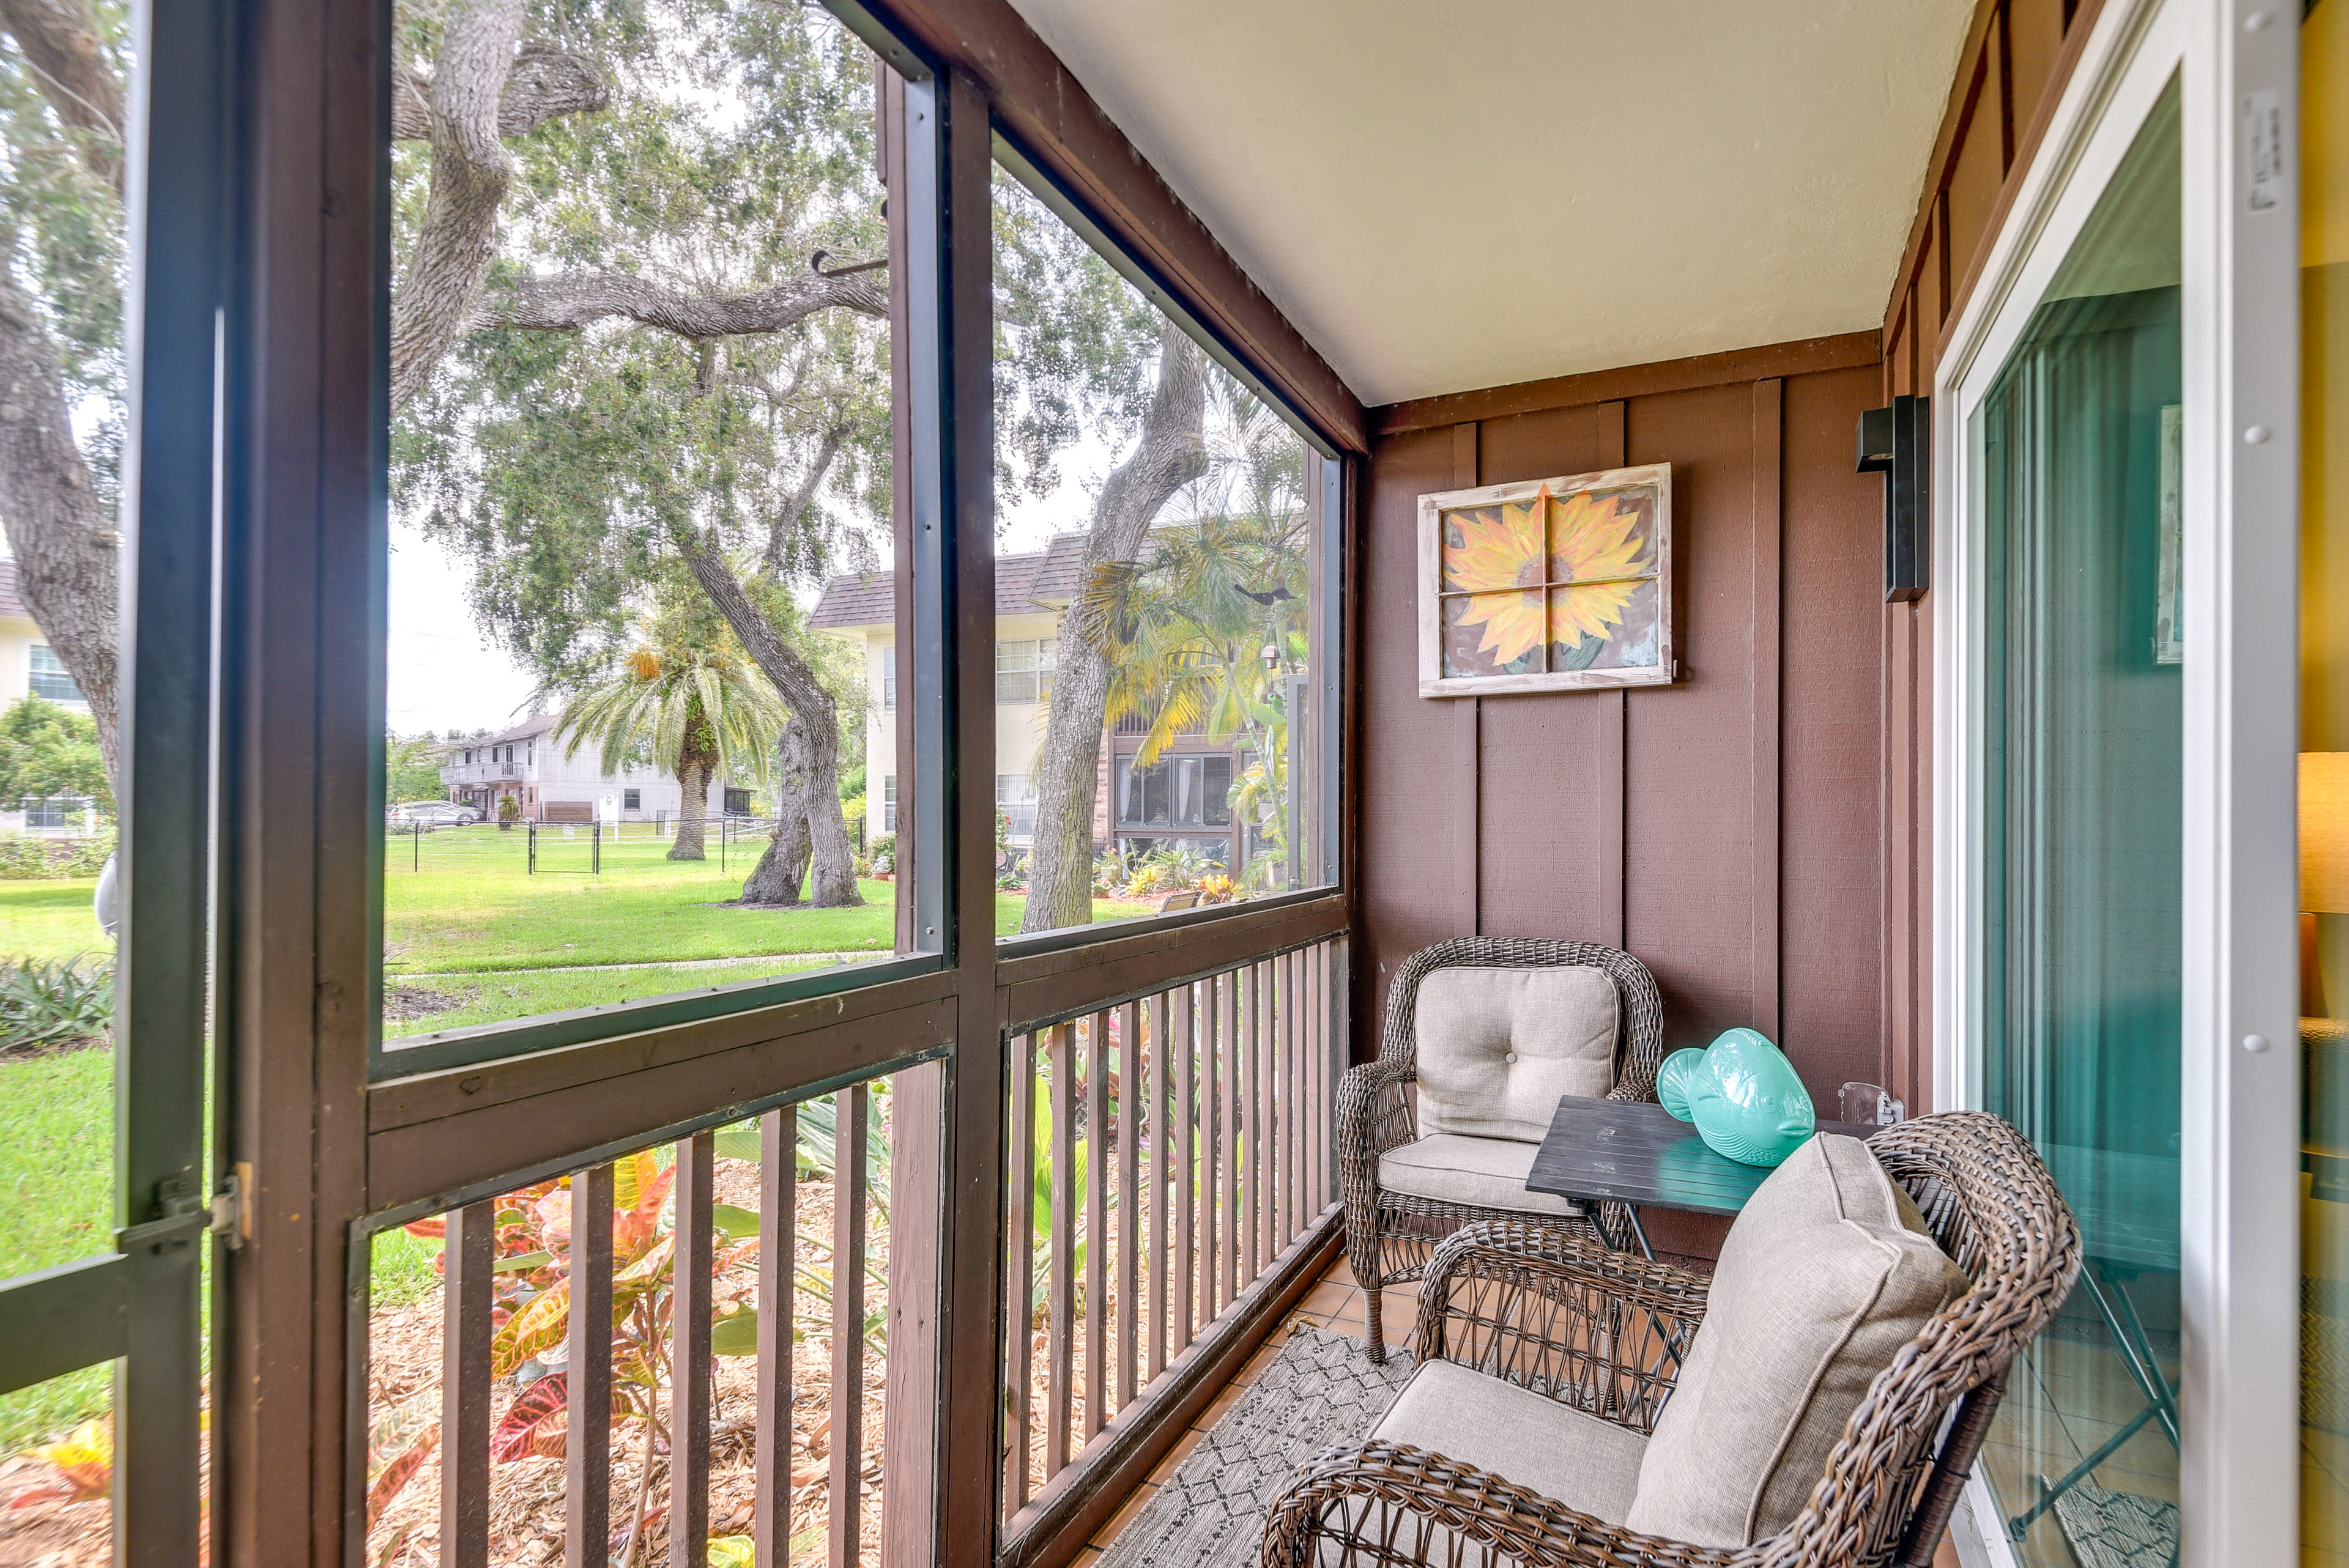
x=2325, y=832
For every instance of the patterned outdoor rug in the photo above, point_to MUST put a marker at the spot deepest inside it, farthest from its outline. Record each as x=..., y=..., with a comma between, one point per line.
x=2118, y=1529
x=1321, y=1389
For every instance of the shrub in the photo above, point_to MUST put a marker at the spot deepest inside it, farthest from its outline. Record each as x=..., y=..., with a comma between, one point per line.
x=87, y=857
x=884, y=855
x=1216, y=889
x=25, y=857
x=48, y=1005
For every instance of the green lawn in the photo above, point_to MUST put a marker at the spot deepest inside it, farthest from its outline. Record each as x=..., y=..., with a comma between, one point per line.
x=50, y=920
x=56, y=1204
x=438, y=1002
x=464, y=900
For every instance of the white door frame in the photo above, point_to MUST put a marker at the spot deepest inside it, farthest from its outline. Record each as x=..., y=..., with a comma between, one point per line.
x=2239, y=1141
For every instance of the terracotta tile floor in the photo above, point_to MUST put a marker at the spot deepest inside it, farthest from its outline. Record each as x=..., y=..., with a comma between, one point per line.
x=1335, y=1302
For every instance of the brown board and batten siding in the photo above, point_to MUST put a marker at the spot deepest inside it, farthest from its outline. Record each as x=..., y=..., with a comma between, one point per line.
x=1725, y=828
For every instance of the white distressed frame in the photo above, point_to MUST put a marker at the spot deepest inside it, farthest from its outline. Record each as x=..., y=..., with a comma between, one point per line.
x=1433, y=682
x=2239, y=1176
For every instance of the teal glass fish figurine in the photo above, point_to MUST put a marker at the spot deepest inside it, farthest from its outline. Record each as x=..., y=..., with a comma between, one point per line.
x=1743, y=1094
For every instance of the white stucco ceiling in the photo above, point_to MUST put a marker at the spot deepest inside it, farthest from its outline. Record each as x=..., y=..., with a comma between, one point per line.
x=1451, y=194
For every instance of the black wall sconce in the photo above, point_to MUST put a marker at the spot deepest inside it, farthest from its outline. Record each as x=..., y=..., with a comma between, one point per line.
x=1898, y=442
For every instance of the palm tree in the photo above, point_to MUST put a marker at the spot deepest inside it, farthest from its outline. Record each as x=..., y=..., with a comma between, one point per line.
x=1188, y=628
x=698, y=705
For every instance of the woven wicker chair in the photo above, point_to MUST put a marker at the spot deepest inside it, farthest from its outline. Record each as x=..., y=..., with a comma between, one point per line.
x=1601, y=1331
x=1390, y=1234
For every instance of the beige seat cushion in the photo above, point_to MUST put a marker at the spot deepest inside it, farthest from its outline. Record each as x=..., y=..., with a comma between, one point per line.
x=1498, y=1046
x=1589, y=1465
x=1823, y=1278
x=1487, y=1172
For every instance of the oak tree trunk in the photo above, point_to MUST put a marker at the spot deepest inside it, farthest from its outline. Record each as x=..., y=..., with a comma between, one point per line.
x=693, y=778
x=830, y=849
x=782, y=870
x=1170, y=453
x=65, y=547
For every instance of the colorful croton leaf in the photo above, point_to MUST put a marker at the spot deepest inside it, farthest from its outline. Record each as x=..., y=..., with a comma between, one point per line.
x=86, y=1461
x=534, y=1424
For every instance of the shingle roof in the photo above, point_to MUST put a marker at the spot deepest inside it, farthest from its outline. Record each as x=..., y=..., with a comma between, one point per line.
x=537, y=723
x=1046, y=579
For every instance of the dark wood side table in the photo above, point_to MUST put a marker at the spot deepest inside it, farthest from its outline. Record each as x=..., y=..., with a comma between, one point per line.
x=1639, y=1155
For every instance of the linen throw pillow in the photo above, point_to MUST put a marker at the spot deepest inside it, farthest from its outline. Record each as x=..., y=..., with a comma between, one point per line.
x=1499, y=1046
x=1823, y=1278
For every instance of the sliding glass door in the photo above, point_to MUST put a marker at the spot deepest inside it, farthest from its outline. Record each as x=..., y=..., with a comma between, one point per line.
x=2073, y=460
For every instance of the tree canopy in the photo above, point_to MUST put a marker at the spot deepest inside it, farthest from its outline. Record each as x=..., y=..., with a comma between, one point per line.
x=47, y=749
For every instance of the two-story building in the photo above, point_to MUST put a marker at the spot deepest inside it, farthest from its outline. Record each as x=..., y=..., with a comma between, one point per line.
x=527, y=762
x=28, y=665
x=1177, y=798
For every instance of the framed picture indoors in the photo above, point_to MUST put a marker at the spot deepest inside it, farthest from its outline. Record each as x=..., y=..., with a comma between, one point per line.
x=1551, y=585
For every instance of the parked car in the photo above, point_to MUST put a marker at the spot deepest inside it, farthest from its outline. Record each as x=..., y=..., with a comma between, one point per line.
x=438, y=814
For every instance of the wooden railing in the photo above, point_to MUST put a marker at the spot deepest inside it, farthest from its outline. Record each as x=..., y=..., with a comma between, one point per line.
x=637, y=1319
x=1166, y=1154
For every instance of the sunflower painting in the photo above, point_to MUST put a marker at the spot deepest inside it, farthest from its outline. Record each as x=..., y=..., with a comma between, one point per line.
x=1561, y=582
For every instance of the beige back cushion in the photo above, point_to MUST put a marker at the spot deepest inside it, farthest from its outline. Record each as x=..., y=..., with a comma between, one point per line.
x=1498, y=1046
x=1824, y=1278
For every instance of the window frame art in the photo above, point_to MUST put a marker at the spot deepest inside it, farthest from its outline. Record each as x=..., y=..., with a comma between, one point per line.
x=1614, y=557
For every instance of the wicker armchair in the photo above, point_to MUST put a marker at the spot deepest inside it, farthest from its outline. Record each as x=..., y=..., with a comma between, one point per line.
x=1390, y=1234
x=1601, y=1332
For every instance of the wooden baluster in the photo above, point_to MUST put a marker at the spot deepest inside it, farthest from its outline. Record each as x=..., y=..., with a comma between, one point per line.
x=471, y=1253
x=1062, y=1343
x=691, y=1369
x=1161, y=1151
x=1188, y=1276
x=1274, y=1101
x=1130, y=1098
x=1281, y=1148
x=1097, y=1379
x=850, y=1154
x=1252, y=1128
x=1020, y=1315
x=1227, y=1029
x=779, y=1138
x=1293, y=1124
x=1208, y=1104
x=1319, y=1085
x=587, y=1421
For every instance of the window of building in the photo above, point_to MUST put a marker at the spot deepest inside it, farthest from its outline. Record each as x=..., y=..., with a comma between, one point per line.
x=49, y=680
x=1023, y=670
x=738, y=802
x=632, y=800
x=1015, y=798
x=889, y=803
x=888, y=680
x=56, y=813
x=1174, y=791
